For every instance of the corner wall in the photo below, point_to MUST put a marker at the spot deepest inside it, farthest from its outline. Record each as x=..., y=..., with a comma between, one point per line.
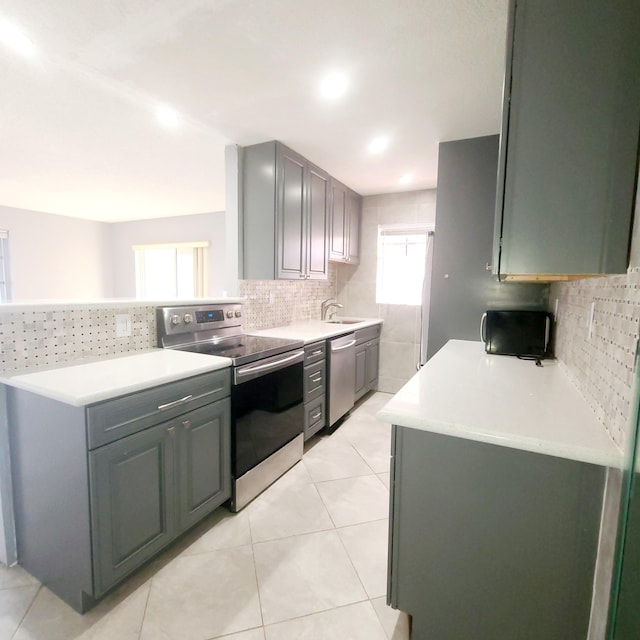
x=356, y=285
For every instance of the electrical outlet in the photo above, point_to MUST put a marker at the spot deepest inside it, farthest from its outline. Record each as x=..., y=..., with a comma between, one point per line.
x=123, y=325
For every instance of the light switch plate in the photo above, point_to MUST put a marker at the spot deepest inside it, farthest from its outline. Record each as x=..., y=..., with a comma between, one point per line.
x=123, y=325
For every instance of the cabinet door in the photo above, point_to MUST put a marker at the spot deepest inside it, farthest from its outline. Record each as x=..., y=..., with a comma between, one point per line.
x=570, y=138
x=291, y=246
x=204, y=469
x=317, y=215
x=354, y=216
x=372, y=363
x=361, y=371
x=132, y=502
x=338, y=223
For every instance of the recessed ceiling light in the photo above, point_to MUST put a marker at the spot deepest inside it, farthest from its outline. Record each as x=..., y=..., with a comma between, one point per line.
x=379, y=144
x=407, y=178
x=334, y=85
x=16, y=39
x=167, y=116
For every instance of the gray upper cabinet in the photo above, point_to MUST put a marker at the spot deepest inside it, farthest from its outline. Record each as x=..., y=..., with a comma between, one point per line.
x=569, y=145
x=344, y=224
x=285, y=212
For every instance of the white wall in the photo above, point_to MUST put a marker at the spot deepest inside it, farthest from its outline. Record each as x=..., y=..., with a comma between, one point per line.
x=192, y=228
x=59, y=257
x=54, y=256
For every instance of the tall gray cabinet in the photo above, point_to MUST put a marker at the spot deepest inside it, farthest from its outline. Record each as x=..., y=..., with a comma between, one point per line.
x=569, y=150
x=285, y=214
x=462, y=285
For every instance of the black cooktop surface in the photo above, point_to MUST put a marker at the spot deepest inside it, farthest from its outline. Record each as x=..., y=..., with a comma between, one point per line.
x=244, y=348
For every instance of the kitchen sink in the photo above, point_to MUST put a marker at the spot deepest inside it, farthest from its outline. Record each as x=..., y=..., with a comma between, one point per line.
x=343, y=321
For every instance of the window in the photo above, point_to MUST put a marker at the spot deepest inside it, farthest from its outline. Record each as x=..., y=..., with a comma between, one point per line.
x=5, y=285
x=171, y=270
x=402, y=253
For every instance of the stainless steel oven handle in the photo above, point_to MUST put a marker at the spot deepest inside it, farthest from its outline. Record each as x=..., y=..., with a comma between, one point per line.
x=175, y=403
x=245, y=371
x=344, y=346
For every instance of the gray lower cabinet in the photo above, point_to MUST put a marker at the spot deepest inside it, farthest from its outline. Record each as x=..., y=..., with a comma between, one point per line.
x=132, y=496
x=314, y=388
x=489, y=542
x=285, y=213
x=367, y=360
x=569, y=143
x=151, y=486
x=99, y=490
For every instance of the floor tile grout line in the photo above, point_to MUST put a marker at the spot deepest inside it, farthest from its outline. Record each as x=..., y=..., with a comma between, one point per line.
x=313, y=613
x=26, y=613
x=255, y=573
x=146, y=604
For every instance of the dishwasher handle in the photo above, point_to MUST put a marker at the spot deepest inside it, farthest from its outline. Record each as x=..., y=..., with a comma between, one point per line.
x=344, y=346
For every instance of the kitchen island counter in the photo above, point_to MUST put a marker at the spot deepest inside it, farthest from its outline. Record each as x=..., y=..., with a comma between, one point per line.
x=466, y=393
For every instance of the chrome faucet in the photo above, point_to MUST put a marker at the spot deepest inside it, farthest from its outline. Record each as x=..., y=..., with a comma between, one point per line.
x=326, y=305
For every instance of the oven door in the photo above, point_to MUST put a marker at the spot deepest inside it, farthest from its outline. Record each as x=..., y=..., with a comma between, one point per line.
x=267, y=408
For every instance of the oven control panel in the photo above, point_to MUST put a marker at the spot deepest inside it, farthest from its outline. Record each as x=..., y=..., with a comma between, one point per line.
x=192, y=319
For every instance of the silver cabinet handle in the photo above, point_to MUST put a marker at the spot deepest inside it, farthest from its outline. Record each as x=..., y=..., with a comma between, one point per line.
x=317, y=415
x=317, y=352
x=172, y=431
x=175, y=403
x=186, y=424
x=316, y=379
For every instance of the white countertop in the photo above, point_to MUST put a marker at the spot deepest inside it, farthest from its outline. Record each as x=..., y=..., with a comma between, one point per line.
x=89, y=382
x=106, y=303
x=313, y=330
x=466, y=393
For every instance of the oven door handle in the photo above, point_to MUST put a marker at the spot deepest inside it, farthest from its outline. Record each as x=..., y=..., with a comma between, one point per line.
x=270, y=366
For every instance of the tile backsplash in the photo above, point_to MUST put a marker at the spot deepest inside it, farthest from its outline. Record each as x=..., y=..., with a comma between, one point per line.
x=31, y=338
x=600, y=364
x=274, y=303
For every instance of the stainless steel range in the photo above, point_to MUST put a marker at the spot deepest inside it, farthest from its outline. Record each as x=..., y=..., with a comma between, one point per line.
x=266, y=392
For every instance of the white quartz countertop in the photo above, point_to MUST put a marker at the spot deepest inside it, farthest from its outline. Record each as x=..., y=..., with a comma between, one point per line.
x=313, y=330
x=89, y=382
x=466, y=393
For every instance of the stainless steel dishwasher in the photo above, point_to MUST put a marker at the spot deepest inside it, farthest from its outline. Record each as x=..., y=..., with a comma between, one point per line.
x=342, y=376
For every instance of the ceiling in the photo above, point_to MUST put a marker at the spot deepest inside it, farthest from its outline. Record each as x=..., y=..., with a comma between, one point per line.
x=79, y=134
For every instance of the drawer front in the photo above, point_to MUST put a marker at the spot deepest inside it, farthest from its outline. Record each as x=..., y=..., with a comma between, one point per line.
x=368, y=333
x=315, y=352
x=314, y=380
x=314, y=417
x=111, y=420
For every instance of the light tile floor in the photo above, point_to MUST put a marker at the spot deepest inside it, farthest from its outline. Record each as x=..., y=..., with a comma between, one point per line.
x=306, y=560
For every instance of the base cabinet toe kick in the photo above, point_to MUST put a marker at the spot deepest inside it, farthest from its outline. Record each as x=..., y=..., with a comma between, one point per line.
x=489, y=542
x=101, y=489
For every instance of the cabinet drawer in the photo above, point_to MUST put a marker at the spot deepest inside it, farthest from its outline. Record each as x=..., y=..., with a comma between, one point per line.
x=114, y=419
x=314, y=417
x=368, y=333
x=315, y=352
x=314, y=380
